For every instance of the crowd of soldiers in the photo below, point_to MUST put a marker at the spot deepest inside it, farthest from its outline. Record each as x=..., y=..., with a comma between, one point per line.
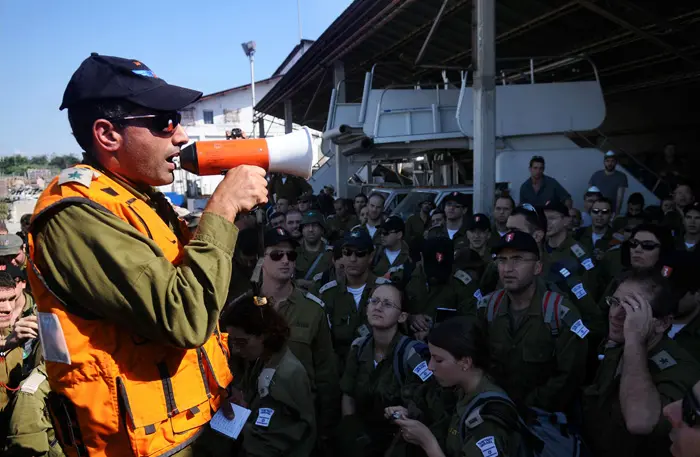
x=352, y=333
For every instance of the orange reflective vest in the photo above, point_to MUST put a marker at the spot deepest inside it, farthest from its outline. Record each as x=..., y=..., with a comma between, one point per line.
x=114, y=393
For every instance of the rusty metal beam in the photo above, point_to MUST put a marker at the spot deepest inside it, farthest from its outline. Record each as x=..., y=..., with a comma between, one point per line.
x=633, y=28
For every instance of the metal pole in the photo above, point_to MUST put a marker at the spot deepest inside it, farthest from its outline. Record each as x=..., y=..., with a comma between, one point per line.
x=484, y=60
x=252, y=87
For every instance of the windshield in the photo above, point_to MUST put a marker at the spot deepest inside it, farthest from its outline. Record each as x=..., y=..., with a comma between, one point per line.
x=409, y=205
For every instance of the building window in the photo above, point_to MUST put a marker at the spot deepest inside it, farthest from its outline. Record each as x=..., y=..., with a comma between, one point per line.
x=208, y=116
x=232, y=116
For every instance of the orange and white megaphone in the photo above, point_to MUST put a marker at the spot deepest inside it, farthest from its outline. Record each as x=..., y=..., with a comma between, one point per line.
x=291, y=154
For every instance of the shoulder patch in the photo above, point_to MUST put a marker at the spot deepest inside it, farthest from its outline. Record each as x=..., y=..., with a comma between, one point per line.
x=463, y=276
x=82, y=176
x=578, y=250
x=32, y=383
x=381, y=280
x=314, y=298
x=487, y=446
x=395, y=269
x=264, y=381
x=328, y=285
x=318, y=276
x=663, y=360
x=358, y=341
x=619, y=236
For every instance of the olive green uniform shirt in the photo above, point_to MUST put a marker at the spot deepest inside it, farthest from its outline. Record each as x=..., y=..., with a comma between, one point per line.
x=306, y=259
x=348, y=320
x=673, y=372
x=585, y=237
x=115, y=272
x=375, y=387
x=689, y=337
x=291, y=188
x=536, y=368
x=490, y=438
x=282, y=421
x=10, y=375
x=338, y=227
x=460, y=293
x=459, y=240
x=571, y=249
x=30, y=431
x=415, y=227
x=381, y=265
x=310, y=342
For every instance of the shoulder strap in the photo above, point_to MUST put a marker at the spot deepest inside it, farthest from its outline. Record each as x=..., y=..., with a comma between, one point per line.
x=399, y=358
x=314, y=265
x=494, y=303
x=550, y=311
x=362, y=343
x=476, y=403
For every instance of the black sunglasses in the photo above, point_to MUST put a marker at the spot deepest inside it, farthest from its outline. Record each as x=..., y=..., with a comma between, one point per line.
x=277, y=255
x=161, y=123
x=387, y=232
x=646, y=245
x=600, y=211
x=350, y=252
x=691, y=409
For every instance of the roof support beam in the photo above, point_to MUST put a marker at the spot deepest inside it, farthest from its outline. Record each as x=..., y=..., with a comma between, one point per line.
x=633, y=28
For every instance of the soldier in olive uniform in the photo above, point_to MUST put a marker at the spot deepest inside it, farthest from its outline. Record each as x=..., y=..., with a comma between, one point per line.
x=382, y=369
x=641, y=371
x=435, y=292
x=273, y=384
x=537, y=339
x=393, y=255
x=30, y=430
x=12, y=251
x=478, y=428
x=314, y=254
x=346, y=298
x=502, y=209
x=288, y=187
x=479, y=234
x=343, y=220
x=417, y=223
x=455, y=228
x=375, y=217
x=11, y=353
x=310, y=337
x=599, y=237
x=634, y=216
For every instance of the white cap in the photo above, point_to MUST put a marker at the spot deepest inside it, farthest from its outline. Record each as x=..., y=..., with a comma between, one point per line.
x=610, y=154
x=593, y=190
x=181, y=212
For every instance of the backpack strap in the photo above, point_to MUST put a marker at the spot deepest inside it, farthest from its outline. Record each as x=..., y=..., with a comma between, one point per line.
x=550, y=311
x=471, y=417
x=494, y=303
x=399, y=359
x=314, y=265
x=411, y=357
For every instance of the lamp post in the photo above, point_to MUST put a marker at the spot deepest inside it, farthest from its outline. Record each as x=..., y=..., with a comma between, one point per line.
x=249, y=50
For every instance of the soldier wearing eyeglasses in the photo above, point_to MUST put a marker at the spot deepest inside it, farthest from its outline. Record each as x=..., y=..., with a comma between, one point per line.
x=641, y=371
x=346, y=297
x=684, y=416
x=538, y=342
x=310, y=337
x=599, y=236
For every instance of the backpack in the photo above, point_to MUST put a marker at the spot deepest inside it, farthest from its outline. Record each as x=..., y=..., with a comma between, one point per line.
x=552, y=309
x=548, y=436
x=409, y=356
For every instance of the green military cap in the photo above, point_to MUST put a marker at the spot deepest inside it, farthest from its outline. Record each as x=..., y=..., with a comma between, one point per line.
x=313, y=217
x=10, y=245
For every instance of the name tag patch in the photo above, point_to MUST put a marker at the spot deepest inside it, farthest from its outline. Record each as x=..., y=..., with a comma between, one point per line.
x=487, y=446
x=588, y=264
x=421, y=370
x=579, y=329
x=579, y=291
x=478, y=295
x=363, y=330
x=565, y=273
x=264, y=416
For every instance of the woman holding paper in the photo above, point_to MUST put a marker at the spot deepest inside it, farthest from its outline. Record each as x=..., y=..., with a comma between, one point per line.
x=273, y=386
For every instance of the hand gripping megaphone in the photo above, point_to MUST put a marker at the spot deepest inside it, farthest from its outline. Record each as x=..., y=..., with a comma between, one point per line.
x=291, y=154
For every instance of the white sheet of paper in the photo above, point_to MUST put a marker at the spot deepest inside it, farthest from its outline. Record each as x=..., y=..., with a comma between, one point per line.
x=230, y=427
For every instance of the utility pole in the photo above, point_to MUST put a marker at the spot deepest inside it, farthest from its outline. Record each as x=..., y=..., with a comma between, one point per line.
x=249, y=50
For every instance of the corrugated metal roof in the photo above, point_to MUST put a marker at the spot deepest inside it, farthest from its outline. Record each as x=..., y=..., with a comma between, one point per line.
x=636, y=45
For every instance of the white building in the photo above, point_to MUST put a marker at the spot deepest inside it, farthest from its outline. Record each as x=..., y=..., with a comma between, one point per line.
x=214, y=114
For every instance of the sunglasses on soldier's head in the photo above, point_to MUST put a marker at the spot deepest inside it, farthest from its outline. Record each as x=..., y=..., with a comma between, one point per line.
x=359, y=254
x=600, y=211
x=277, y=255
x=160, y=123
x=646, y=245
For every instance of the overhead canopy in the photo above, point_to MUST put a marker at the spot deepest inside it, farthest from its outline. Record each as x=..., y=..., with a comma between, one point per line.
x=637, y=45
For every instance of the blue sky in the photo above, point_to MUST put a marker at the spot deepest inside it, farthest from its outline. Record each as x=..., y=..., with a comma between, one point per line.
x=189, y=43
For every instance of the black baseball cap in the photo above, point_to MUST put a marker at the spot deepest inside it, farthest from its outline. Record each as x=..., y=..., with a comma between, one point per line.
x=278, y=235
x=358, y=238
x=456, y=197
x=695, y=206
x=393, y=223
x=106, y=77
x=518, y=241
x=479, y=221
x=556, y=205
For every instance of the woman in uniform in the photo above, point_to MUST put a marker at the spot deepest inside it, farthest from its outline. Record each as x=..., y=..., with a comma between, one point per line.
x=272, y=383
x=383, y=368
x=459, y=353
